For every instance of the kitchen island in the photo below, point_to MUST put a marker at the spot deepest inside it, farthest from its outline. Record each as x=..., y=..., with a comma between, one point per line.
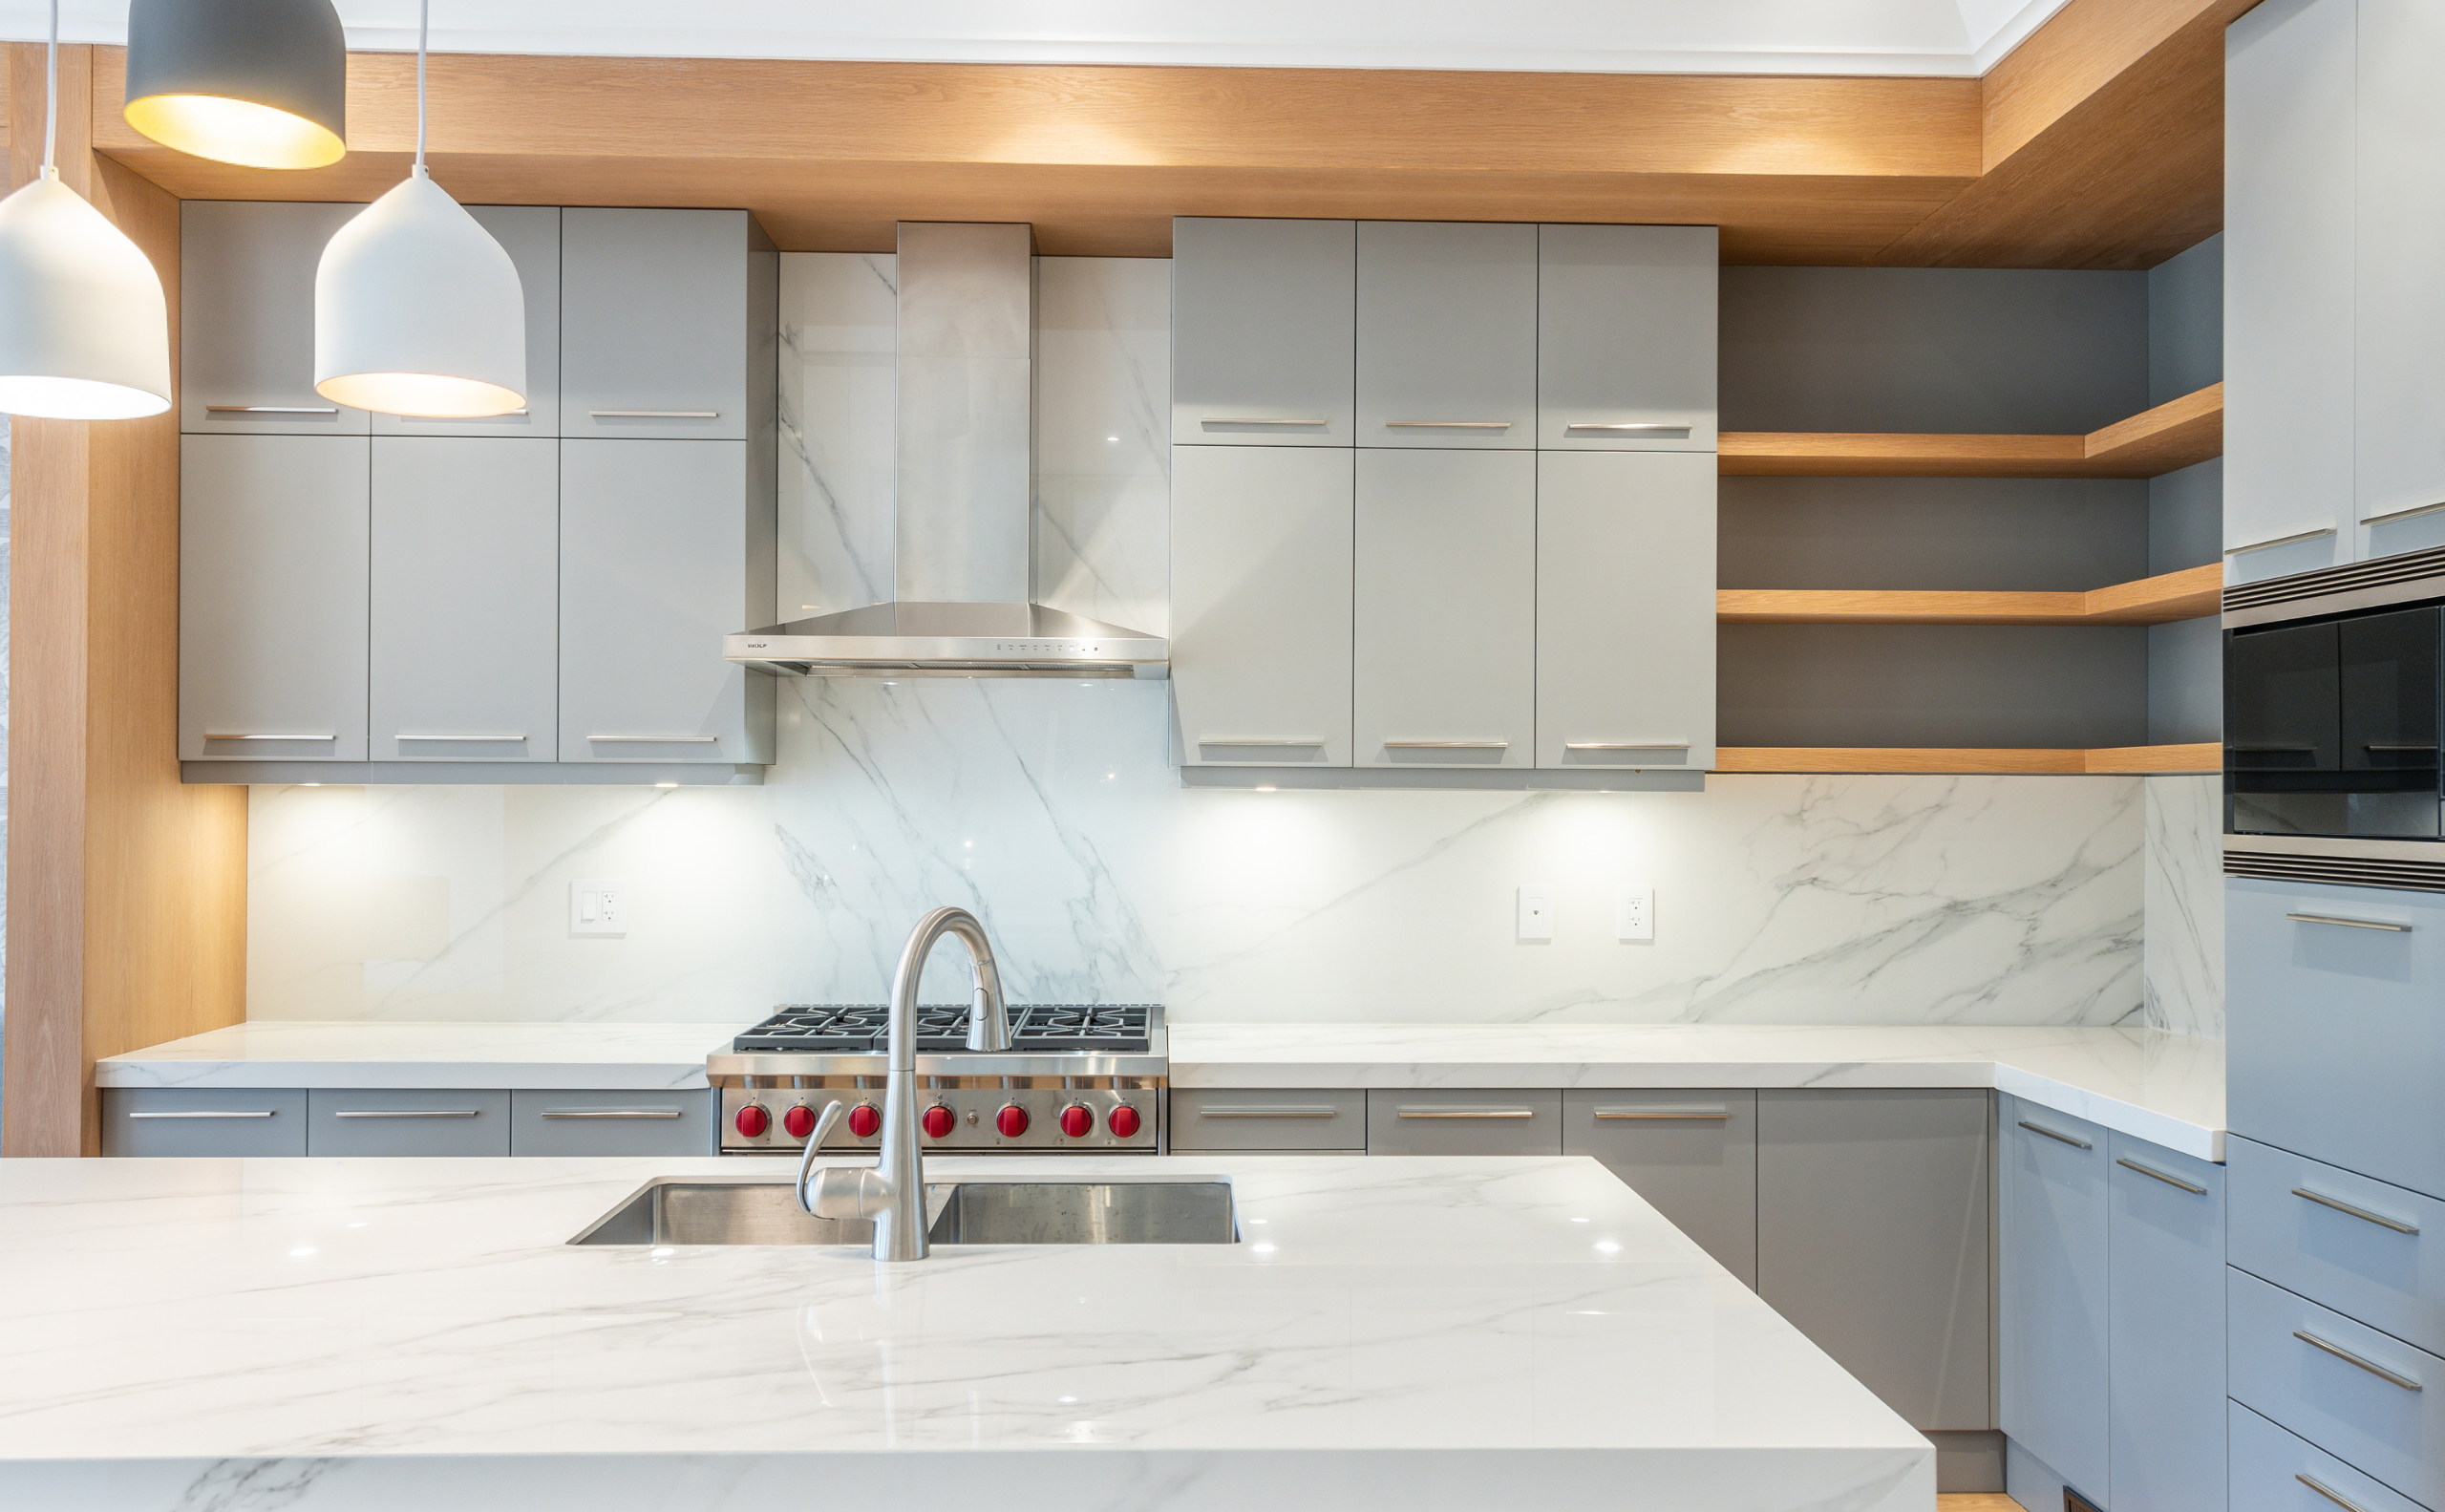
x=361, y=1335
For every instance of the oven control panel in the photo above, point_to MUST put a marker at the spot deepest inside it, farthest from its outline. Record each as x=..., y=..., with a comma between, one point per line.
x=968, y=1119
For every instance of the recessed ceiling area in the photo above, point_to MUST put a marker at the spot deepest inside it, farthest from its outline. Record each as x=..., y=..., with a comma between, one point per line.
x=1959, y=39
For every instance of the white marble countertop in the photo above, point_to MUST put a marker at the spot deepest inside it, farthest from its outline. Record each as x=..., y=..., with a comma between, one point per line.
x=1426, y=1333
x=2168, y=1088
x=551, y=1057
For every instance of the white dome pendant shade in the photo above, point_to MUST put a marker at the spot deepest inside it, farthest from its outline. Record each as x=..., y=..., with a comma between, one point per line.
x=417, y=311
x=84, y=330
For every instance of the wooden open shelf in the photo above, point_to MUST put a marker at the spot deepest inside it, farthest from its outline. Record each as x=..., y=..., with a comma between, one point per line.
x=2070, y=761
x=2175, y=435
x=2185, y=595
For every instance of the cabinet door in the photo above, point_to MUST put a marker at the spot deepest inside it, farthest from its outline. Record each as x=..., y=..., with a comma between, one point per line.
x=531, y=235
x=2165, y=1328
x=655, y=337
x=2398, y=452
x=1626, y=338
x=272, y=603
x=2278, y=1471
x=466, y=601
x=2051, y=1308
x=1332, y=1120
x=247, y=318
x=1871, y=1240
x=1692, y=1156
x=155, y=1122
x=1263, y=332
x=612, y=1122
x=1261, y=606
x=1447, y=334
x=1498, y=1121
x=1445, y=662
x=1626, y=610
x=2290, y=107
x=655, y=557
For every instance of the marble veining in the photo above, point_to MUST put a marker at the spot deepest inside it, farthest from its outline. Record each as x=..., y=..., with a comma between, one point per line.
x=276, y=1053
x=2182, y=961
x=839, y=325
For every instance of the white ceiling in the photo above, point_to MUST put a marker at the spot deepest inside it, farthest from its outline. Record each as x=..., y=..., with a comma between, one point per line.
x=1960, y=37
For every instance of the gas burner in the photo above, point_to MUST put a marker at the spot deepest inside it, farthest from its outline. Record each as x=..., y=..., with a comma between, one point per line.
x=863, y=1028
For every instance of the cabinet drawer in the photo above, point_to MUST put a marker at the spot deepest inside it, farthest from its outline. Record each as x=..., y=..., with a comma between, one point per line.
x=1473, y=1122
x=178, y=1120
x=1692, y=1156
x=612, y=1122
x=410, y=1121
x=1259, y=1119
x=2276, y=1471
x=2337, y=1035
x=2382, y=1407
x=2360, y=1262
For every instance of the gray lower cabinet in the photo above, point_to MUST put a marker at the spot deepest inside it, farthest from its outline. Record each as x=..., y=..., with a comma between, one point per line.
x=1300, y=1118
x=2363, y=1396
x=247, y=318
x=660, y=541
x=465, y=608
x=1873, y=1223
x=1263, y=332
x=2368, y=1249
x=1693, y=1155
x=2277, y=1471
x=531, y=235
x=668, y=325
x=272, y=603
x=1444, y=670
x=1447, y=334
x=1465, y=1121
x=415, y=1122
x=139, y=1121
x=2051, y=1305
x=2165, y=1331
x=1626, y=338
x=680, y=1122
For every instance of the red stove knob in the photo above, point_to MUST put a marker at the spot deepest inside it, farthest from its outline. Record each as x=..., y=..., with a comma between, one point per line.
x=865, y=1120
x=1012, y=1120
x=937, y=1121
x=753, y=1120
x=1076, y=1121
x=1123, y=1121
x=799, y=1121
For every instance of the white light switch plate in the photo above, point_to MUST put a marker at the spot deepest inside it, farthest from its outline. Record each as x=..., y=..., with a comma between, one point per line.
x=1634, y=913
x=599, y=907
x=1535, y=912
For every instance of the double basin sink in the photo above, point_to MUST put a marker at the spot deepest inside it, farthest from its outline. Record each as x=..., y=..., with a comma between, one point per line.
x=679, y=1210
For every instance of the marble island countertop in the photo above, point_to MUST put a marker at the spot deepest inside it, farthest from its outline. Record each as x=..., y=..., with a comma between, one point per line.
x=371, y=1335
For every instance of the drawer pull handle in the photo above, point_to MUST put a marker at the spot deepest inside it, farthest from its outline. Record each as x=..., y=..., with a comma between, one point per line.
x=1244, y=419
x=1268, y=1113
x=2370, y=1366
x=2192, y=1188
x=458, y=738
x=659, y=740
x=2278, y=541
x=1663, y=1113
x=655, y=414
x=2331, y=1493
x=2361, y=1213
x=1466, y=1112
x=1625, y=745
x=1447, y=745
x=406, y=1112
x=2349, y=923
x=211, y=1113
x=270, y=409
x=2392, y=515
x=611, y=1113
x=1463, y=425
x=1258, y=740
x=2077, y=1145
x=212, y=736
x=1643, y=429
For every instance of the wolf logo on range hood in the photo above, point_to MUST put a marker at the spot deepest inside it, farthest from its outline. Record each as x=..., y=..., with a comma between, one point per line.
x=963, y=534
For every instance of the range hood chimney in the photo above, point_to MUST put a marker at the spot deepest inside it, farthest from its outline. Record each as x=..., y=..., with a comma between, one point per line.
x=963, y=546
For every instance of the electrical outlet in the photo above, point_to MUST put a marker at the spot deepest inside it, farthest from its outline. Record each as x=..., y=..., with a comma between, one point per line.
x=1535, y=912
x=599, y=908
x=1634, y=913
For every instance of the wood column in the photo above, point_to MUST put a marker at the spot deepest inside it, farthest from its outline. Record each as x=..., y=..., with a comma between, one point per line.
x=127, y=891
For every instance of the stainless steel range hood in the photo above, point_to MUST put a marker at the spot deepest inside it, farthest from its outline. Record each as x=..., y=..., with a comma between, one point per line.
x=963, y=534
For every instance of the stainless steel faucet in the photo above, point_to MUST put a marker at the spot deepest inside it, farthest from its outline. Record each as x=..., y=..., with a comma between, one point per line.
x=892, y=1192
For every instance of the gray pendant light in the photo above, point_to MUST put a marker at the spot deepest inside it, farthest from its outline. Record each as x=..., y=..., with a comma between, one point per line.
x=263, y=83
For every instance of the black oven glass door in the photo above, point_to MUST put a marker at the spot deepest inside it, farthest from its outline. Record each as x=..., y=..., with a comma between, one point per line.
x=2332, y=729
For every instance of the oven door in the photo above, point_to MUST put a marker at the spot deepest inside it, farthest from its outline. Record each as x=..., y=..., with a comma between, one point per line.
x=2332, y=728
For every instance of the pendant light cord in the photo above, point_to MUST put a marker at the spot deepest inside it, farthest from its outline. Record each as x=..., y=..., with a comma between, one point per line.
x=424, y=24
x=50, y=101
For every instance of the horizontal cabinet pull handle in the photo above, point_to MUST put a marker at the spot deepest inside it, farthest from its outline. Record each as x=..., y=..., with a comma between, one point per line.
x=2392, y=1377
x=209, y=734
x=611, y=1113
x=2387, y=924
x=2395, y=745
x=1254, y=740
x=1447, y=745
x=2329, y=1493
x=2278, y=541
x=1461, y=425
x=406, y=1112
x=655, y=414
x=1466, y=1112
x=458, y=738
x=2392, y=515
x=1662, y=1113
x=2039, y=1128
x=1625, y=745
x=211, y=1113
x=2361, y=1213
x=1240, y=420
x=270, y=409
x=2170, y=1180
x=1268, y=1113
x=659, y=740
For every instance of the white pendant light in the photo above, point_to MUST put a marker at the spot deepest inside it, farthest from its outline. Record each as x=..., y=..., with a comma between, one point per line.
x=84, y=330
x=417, y=311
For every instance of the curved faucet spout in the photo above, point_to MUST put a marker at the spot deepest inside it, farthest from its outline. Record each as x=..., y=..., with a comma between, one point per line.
x=988, y=1022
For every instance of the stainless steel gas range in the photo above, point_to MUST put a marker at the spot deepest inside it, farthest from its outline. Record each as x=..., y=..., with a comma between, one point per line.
x=1086, y=1079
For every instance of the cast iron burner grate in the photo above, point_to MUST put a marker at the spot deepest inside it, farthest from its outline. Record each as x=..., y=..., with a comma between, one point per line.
x=862, y=1027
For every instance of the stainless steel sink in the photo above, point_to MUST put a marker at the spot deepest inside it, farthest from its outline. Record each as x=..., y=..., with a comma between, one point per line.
x=679, y=1211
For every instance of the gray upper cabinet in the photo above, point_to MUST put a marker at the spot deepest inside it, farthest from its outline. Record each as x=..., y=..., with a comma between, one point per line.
x=660, y=541
x=668, y=324
x=1691, y=1154
x=1263, y=332
x=465, y=606
x=273, y=602
x=2398, y=452
x=531, y=235
x=2050, y=1313
x=247, y=318
x=1626, y=338
x=2165, y=1321
x=1447, y=334
x=1444, y=673
x=1261, y=542
x=1626, y=610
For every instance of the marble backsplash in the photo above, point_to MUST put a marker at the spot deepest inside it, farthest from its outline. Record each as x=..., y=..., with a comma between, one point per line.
x=2182, y=957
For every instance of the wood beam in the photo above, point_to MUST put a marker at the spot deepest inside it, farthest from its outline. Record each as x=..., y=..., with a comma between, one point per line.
x=126, y=914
